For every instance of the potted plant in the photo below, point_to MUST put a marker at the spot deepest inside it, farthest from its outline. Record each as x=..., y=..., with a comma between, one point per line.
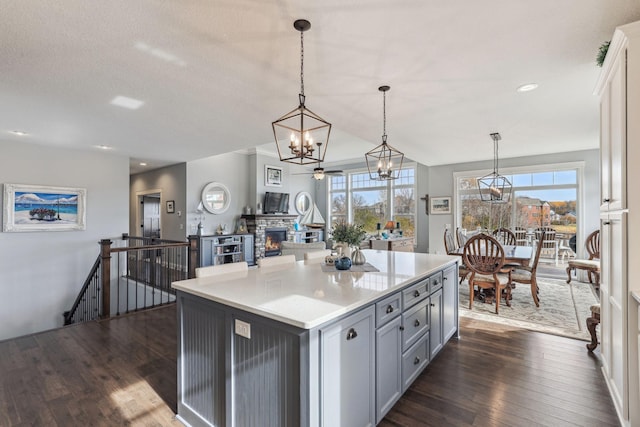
x=348, y=236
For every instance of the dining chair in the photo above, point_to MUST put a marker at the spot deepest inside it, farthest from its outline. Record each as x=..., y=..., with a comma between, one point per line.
x=450, y=248
x=216, y=270
x=592, y=264
x=526, y=274
x=461, y=237
x=273, y=261
x=320, y=255
x=484, y=256
x=505, y=236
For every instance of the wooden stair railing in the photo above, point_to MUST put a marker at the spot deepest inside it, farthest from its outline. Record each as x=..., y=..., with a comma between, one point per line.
x=133, y=276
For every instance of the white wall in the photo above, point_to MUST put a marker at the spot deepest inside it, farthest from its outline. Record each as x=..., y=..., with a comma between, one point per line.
x=171, y=181
x=441, y=184
x=41, y=273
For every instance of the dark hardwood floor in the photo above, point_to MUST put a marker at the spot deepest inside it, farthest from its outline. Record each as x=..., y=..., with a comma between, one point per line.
x=123, y=372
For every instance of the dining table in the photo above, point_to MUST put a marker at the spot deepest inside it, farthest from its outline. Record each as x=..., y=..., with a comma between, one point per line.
x=512, y=254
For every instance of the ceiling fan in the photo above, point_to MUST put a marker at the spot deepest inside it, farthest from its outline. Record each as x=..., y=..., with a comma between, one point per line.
x=319, y=172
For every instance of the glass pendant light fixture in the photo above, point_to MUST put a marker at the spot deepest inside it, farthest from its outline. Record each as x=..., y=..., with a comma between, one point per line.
x=298, y=132
x=384, y=162
x=494, y=187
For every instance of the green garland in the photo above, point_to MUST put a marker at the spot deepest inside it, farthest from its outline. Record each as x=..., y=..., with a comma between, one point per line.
x=602, y=53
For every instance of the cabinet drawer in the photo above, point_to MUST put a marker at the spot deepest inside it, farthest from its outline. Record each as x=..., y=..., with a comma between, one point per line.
x=435, y=282
x=414, y=361
x=415, y=322
x=415, y=293
x=387, y=309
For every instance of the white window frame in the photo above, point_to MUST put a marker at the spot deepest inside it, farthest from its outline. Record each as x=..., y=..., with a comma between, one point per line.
x=552, y=167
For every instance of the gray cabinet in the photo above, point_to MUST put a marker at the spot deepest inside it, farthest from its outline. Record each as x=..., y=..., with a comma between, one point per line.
x=388, y=354
x=348, y=371
x=449, y=303
x=308, y=236
x=435, y=318
x=224, y=249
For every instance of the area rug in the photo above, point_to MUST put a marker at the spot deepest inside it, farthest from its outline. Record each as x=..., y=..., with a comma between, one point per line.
x=563, y=309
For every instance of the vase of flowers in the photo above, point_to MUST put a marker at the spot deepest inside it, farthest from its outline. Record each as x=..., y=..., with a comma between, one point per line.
x=348, y=236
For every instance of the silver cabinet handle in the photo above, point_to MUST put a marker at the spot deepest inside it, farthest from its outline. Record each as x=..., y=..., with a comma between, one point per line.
x=416, y=360
x=606, y=223
x=606, y=200
x=416, y=323
x=389, y=309
x=416, y=294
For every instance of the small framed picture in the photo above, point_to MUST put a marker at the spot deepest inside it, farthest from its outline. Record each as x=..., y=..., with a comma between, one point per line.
x=171, y=206
x=440, y=205
x=272, y=176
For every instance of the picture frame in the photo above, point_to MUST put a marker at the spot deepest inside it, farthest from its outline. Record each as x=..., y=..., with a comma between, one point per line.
x=440, y=205
x=272, y=176
x=43, y=208
x=171, y=206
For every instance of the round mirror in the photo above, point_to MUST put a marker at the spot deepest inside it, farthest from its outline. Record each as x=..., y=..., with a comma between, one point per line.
x=303, y=202
x=216, y=198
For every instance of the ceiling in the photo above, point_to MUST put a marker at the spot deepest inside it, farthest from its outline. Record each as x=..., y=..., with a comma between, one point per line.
x=213, y=75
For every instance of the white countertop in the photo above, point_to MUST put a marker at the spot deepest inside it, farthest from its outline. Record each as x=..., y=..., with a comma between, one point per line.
x=304, y=296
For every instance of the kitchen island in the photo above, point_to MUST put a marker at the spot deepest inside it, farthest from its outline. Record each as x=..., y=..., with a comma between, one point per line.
x=298, y=346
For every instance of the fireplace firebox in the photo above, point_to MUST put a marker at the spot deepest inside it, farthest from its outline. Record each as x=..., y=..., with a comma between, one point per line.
x=272, y=240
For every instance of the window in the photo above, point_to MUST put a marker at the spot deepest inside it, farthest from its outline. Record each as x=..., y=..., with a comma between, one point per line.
x=357, y=198
x=541, y=197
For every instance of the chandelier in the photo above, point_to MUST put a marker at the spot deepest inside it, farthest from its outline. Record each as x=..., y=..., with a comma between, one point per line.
x=298, y=132
x=494, y=187
x=384, y=162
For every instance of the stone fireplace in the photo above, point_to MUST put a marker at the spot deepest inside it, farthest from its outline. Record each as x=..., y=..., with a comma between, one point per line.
x=259, y=224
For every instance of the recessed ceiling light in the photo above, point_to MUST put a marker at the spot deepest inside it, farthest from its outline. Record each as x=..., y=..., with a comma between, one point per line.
x=143, y=164
x=19, y=133
x=126, y=102
x=527, y=87
x=103, y=147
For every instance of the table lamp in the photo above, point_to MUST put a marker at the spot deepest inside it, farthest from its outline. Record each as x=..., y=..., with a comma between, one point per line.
x=389, y=226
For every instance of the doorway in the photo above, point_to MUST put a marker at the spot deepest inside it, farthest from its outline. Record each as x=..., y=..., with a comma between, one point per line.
x=149, y=218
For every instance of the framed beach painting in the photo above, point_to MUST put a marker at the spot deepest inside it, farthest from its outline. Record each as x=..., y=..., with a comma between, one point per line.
x=43, y=208
x=440, y=205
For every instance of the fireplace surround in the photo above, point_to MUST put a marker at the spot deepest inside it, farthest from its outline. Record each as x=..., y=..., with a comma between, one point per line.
x=258, y=225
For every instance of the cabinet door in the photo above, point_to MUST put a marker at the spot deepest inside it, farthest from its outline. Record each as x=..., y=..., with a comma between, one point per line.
x=449, y=302
x=388, y=367
x=614, y=309
x=435, y=318
x=613, y=140
x=348, y=371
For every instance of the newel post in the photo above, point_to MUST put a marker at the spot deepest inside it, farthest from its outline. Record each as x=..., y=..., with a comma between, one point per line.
x=105, y=260
x=193, y=255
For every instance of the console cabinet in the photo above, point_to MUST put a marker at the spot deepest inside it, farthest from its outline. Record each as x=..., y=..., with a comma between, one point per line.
x=227, y=248
x=308, y=236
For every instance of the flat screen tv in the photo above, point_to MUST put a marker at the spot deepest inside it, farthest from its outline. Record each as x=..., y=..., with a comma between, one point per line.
x=276, y=203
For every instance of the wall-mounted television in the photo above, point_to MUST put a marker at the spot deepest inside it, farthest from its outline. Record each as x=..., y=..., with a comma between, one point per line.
x=276, y=203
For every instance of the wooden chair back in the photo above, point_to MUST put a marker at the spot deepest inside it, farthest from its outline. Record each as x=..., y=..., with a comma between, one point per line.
x=505, y=236
x=483, y=254
x=593, y=245
x=449, y=243
x=533, y=264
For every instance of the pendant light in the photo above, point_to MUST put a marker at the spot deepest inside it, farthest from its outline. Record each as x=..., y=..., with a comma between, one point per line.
x=494, y=187
x=384, y=162
x=298, y=132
